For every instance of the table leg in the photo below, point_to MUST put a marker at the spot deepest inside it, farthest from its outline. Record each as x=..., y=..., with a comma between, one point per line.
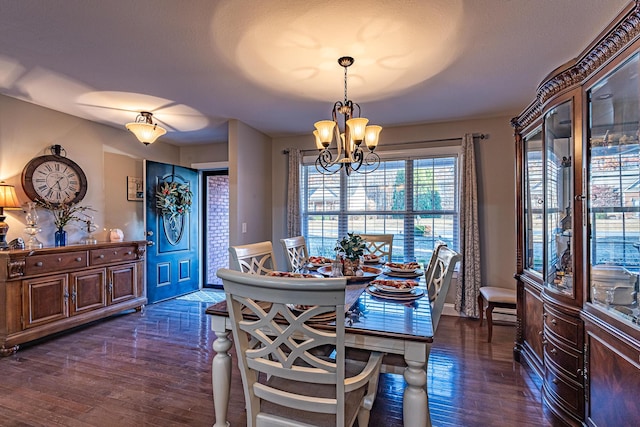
x=415, y=403
x=221, y=377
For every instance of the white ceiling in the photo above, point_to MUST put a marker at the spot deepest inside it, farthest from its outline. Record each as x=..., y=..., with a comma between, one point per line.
x=273, y=63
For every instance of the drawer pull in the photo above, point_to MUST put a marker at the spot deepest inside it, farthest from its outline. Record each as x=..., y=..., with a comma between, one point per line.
x=553, y=321
x=555, y=381
x=102, y=256
x=39, y=264
x=79, y=259
x=129, y=253
x=59, y=259
x=545, y=342
x=553, y=351
x=115, y=252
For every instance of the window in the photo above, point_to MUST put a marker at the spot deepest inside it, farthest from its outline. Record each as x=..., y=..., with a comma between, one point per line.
x=415, y=198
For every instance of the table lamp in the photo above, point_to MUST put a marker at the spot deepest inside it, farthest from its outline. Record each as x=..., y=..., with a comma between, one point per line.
x=8, y=200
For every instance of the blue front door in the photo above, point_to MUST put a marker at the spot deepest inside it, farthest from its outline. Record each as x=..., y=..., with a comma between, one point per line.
x=172, y=226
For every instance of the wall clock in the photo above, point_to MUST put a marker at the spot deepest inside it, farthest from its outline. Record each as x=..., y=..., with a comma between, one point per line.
x=54, y=179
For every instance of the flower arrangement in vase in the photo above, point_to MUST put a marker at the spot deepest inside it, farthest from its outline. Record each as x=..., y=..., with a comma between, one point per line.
x=351, y=247
x=63, y=214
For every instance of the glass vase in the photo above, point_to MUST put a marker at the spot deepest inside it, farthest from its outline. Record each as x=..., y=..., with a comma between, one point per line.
x=60, y=237
x=351, y=267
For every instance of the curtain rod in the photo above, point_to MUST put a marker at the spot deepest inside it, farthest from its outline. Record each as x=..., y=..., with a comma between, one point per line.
x=475, y=135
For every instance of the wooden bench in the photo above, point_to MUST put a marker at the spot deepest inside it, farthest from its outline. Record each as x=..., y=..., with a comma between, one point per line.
x=495, y=297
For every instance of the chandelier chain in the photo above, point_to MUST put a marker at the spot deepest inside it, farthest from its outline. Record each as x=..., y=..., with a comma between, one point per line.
x=345, y=86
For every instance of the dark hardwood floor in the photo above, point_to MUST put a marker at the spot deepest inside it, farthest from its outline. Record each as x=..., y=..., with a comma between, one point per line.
x=154, y=368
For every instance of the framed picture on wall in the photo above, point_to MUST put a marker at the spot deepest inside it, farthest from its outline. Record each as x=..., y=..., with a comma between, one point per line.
x=135, y=191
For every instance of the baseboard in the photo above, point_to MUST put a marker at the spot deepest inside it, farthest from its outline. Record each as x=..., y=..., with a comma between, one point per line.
x=499, y=314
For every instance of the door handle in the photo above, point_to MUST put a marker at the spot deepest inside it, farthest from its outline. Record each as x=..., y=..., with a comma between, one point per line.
x=150, y=243
x=149, y=233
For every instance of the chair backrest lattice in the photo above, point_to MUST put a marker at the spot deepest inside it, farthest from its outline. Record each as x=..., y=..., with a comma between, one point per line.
x=379, y=244
x=296, y=253
x=254, y=258
x=438, y=275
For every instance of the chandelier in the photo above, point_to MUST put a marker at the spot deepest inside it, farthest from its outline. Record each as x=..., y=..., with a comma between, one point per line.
x=350, y=154
x=144, y=129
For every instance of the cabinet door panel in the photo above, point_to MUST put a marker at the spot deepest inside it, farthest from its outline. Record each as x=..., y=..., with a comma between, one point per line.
x=44, y=300
x=614, y=379
x=122, y=284
x=88, y=290
x=534, y=324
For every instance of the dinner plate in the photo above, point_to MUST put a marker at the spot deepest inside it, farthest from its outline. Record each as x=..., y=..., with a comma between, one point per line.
x=368, y=273
x=291, y=274
x=403, y=270
x=405, y=275
x=315, y=263
x=414, y=294
x=382, y=287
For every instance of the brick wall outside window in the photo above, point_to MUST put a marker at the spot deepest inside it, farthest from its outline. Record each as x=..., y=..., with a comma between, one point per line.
x=217, y=227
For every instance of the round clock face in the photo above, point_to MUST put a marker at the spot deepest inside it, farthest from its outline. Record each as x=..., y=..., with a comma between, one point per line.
x=54, y=179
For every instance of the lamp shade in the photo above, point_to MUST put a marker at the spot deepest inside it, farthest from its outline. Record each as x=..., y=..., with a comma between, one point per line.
x=145, y=132
x=371, y=136
x=356, y=128
x=8, y=197
x=319, y=144
x=325, y=131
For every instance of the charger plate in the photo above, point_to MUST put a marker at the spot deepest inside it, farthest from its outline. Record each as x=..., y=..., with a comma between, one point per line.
x=416, y=293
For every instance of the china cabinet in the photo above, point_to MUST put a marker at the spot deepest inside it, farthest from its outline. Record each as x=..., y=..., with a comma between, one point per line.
x=44, y=291
x=578, y=209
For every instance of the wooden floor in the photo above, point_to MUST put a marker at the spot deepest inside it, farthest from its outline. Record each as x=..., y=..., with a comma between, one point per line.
x=154, y=368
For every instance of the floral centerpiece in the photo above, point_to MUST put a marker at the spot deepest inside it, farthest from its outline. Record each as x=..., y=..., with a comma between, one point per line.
x=352, y=248
x=173, y=199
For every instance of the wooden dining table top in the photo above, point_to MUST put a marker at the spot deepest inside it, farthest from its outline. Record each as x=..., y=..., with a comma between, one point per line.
x=373, y=316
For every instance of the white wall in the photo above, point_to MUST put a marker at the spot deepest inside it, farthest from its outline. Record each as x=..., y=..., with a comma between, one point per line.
x=249, y=184
x=27, y=131
x=496, y=186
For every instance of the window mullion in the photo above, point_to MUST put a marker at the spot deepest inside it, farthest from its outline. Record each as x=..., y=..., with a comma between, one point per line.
x=343, y=218
x=409, y=241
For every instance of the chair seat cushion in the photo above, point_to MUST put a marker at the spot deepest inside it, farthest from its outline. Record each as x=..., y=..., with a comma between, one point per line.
x=499, y=295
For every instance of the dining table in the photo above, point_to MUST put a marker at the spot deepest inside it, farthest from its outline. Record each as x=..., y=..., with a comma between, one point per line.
x=401, y=329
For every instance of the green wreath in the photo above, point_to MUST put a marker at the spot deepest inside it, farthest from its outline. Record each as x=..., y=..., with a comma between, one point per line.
x=173, y=199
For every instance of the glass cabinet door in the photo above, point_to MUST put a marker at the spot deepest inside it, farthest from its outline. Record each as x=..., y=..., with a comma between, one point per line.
x=533, y=203
x=558, y=143
x=613, y=208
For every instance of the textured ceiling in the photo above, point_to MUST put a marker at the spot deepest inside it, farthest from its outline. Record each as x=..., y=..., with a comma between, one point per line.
x=273, y=63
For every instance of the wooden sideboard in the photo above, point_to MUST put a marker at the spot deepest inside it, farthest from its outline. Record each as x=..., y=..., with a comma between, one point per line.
x=49, y=290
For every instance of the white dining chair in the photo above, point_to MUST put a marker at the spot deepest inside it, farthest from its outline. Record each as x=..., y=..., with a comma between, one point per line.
x=296, y=253
x=254, y=258
x=438, y=275
x=379, y=244
x=284, y=382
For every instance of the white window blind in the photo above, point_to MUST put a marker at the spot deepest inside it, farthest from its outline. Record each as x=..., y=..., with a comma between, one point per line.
x=415, y=198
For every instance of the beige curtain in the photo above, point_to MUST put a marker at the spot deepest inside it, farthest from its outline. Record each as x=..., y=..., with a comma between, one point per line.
x=293, y=193
x=469, y=275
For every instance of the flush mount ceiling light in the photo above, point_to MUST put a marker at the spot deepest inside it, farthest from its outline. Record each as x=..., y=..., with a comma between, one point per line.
x=350, y=156
x=144, y=129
